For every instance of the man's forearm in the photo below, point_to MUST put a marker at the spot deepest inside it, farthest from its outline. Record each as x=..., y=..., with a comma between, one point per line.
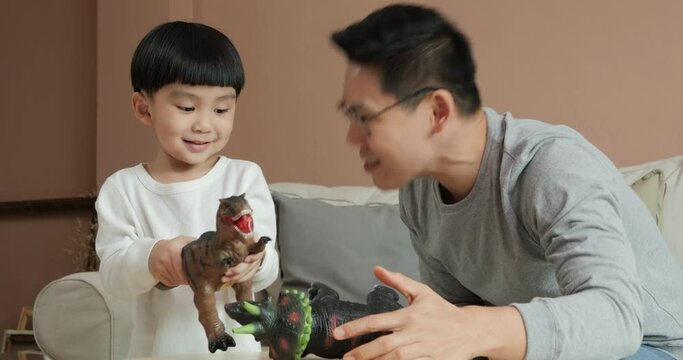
x=502, y=329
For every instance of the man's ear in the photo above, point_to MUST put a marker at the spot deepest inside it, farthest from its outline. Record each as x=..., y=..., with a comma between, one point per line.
x=443, y=108
x=140, y=104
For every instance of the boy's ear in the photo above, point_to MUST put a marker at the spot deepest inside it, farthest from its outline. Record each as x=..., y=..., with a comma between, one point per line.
x=140, y=104
x=443, y=107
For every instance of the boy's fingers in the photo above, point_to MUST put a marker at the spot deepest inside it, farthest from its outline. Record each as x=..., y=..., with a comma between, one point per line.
x=241, y=267
x=254, y=257
x=164, y=280
x=178, y=272
x=248, y=271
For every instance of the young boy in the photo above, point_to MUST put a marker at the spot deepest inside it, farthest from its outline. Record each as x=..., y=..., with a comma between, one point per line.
x=186, y=79
x=530, y=243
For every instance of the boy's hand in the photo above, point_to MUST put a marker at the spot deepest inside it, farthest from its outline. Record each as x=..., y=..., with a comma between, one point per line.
x=165, y=262
x=245, y=270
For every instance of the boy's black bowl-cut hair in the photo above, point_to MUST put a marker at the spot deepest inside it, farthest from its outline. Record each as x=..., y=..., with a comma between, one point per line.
x=185, y=53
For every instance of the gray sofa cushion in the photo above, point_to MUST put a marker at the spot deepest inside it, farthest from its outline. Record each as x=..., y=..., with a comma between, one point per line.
x=340, y=245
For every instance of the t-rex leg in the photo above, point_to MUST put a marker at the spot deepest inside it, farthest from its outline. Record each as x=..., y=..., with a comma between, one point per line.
x=205, y=301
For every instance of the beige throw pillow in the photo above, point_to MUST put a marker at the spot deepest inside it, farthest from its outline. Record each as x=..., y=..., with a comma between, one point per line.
x=651, y=189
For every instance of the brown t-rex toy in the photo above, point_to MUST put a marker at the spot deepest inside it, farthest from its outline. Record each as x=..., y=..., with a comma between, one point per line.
x=206, y=260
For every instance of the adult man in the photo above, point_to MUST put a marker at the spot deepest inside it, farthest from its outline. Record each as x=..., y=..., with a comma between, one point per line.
x=530, y=243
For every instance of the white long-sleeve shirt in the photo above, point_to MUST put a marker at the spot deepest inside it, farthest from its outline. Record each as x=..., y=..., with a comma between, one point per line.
x=135, y=211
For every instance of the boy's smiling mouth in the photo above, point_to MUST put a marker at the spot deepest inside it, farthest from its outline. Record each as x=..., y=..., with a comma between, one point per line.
x=196, y=146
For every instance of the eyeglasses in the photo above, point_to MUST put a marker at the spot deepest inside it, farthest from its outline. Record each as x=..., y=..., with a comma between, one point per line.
x=351, y=113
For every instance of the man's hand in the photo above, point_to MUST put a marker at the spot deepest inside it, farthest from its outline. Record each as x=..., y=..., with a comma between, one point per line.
x=245, y=270
x=165, y=262
x=430, y=327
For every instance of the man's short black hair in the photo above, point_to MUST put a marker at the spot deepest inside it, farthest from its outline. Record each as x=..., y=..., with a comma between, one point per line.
x=185, y=53
x=413, y=47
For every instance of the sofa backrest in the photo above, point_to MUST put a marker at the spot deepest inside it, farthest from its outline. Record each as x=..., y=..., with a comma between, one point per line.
x=337, y=235
x=670, y=205
x=658, y=183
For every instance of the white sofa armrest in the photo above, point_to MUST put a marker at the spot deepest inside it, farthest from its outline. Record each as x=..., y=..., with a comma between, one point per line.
x=75, y=310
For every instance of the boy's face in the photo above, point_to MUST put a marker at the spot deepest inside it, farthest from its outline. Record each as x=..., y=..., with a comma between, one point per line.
x=192, y=123
x=393, y=143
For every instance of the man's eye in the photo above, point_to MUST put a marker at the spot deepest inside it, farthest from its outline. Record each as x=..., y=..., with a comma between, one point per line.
x=185, y=108
x=355, y=116
x=222, y=111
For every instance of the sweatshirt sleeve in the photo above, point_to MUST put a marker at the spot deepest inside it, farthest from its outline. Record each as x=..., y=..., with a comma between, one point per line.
x=571, y=205
x=263, y=207
x=123, y=253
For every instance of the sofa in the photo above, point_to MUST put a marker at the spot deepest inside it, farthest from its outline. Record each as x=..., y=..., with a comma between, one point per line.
x=329, y=234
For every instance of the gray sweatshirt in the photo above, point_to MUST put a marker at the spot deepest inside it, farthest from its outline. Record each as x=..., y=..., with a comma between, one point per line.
x=551, y=228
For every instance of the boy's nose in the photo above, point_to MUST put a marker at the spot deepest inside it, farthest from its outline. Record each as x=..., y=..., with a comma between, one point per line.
x=201, y=123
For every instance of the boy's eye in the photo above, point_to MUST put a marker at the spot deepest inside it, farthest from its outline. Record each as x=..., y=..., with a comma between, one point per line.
x=222, y=111
x=185, y=108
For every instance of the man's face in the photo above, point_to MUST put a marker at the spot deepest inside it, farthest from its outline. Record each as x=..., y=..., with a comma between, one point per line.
x=392, y=145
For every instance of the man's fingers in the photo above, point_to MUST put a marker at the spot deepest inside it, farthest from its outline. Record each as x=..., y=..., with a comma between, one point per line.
x=394, y=346
x=406, y=351
x=405, y=285
x=383, y=322
x=372, y=350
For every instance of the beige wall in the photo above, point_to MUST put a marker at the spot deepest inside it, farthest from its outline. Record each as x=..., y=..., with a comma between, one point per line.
x=47, y=103
x=47, y=138
x=611, y=69
x=122, y=141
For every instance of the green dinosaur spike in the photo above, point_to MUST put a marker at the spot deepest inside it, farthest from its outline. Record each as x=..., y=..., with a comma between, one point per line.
x=246, y=329
x=251, y=308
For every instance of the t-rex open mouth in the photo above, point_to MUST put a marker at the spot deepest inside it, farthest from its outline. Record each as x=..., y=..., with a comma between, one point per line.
x=242, y=222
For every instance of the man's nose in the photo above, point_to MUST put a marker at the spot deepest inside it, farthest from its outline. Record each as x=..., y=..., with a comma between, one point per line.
x=355, y=134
